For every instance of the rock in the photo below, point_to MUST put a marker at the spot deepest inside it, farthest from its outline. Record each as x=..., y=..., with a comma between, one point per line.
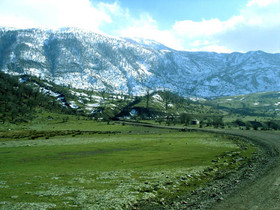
x=220, y=199
x=14, y=196
x=236, y=181
x=213, y=195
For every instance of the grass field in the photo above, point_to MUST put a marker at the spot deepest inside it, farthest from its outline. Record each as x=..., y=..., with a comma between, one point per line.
x=107, y=170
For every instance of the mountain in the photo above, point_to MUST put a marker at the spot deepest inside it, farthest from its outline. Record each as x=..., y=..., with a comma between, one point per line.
x=121, y=65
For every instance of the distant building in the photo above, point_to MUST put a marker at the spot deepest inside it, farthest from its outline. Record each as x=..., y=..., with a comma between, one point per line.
x=195, y=122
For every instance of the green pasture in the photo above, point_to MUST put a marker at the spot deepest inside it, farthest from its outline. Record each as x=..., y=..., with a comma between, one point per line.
x=103, y=171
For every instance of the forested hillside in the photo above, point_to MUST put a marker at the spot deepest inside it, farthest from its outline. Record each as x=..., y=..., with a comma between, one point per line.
x=19, y=101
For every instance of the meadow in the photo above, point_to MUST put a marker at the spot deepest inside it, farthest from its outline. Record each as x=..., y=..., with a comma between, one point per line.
x=87, y=164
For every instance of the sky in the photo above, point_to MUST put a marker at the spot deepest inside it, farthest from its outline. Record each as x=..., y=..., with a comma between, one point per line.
x=221, y=26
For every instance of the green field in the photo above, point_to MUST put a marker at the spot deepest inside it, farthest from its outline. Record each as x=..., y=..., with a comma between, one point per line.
x=58, y=169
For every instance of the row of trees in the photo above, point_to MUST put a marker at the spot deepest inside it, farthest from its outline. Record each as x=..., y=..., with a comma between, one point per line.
x=256, y=125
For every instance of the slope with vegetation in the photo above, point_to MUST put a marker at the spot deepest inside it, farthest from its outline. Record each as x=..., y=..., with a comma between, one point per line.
x=27, y=98
x=21, y=98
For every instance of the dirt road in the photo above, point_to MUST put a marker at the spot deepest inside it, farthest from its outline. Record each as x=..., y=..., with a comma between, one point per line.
x=261, y=192
x=264, y=192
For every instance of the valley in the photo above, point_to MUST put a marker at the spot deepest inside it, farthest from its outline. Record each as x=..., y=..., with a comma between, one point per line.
x=89, y=121
x=76, y=148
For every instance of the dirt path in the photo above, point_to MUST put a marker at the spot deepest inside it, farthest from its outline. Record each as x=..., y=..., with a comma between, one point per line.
x=264, y=192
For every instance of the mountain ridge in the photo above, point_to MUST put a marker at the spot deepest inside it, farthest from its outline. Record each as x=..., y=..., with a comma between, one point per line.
x=123, y=65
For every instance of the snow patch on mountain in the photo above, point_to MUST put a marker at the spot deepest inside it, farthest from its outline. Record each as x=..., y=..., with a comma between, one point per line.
x=87, y=60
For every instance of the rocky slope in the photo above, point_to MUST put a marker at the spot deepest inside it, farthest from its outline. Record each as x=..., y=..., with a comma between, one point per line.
x=121, y=65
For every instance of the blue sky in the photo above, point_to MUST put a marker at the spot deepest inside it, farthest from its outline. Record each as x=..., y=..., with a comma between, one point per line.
x=192, y=25
x=166, y=12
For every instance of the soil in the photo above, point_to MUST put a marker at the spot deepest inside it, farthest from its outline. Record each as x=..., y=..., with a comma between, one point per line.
x=255, y=186
x=262, y=191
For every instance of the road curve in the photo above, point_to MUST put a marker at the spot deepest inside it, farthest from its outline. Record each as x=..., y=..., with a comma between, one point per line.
x=264, y=192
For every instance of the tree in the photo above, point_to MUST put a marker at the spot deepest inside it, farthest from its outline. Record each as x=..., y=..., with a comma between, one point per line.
x=239, y=122
x=218, y=121
x=272, y=125
x=103, y=94
x=148, y=97
x=185, y=118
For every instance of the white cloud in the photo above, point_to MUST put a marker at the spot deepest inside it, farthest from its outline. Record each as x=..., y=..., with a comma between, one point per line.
x=259, y=29
x=214, y=48
x=184, y=35
x=143, y=27
x=256, y=27
x=268, y=16
x=207, y=45
x=206, y=28
x=147, y=28
x=113, y=9
x=52, y=14
x=203, y=28
x=17, y=22
x=262, y=3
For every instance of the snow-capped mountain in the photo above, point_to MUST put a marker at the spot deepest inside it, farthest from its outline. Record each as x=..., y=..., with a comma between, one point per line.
x=93, y=61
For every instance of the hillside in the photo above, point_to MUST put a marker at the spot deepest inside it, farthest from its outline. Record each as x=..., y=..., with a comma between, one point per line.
x=262, y=104
x=92, y=61
x=30, y=99
x=24, y=96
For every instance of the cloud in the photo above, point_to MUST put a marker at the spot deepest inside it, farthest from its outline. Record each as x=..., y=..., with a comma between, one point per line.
x=251, y=38
x=262, y=3
x=258, y=30
x=146, y=27
x=113, y=9
x=256, y=27
x=17, y=22
x=54, y=14
x=194, y=29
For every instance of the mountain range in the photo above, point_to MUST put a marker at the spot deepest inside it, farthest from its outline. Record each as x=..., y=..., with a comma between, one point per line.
x=93, y=61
